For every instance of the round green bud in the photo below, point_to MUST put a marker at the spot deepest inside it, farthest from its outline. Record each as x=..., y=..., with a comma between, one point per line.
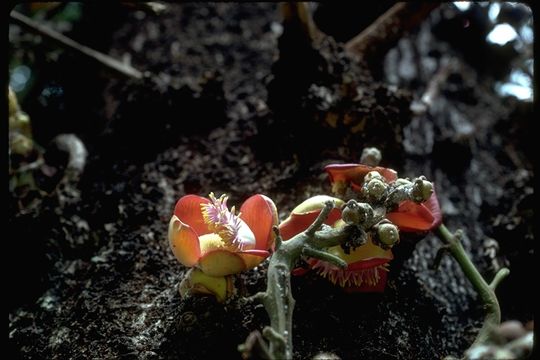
x=356, y=213
x=371, y=156
x=422, y=190
x=375, y=189
x=350, y=215
x=388, y=234
x=372, y=175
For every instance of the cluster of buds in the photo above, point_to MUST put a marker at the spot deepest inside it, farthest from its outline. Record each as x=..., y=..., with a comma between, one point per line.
x=385, y=206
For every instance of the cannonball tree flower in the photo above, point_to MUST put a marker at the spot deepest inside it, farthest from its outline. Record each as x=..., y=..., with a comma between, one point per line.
x=409, y=215
x=205, y=234
x=367, y=264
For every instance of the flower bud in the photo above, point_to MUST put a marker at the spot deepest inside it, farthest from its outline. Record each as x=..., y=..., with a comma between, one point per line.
x=388, y=234
x=371, y=156
x=373, y=175
x=375, y=189
x=422, y=190
x=356, y=213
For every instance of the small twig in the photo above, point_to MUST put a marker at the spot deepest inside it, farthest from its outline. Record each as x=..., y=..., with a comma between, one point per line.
x=324, y=256
x=420, y=107
x=485, y=291
x=499, y=276
x=320, y=219
x=443, y=250
x=379, y=37
x=254, y=347
x=103, y=59
x=31, y=166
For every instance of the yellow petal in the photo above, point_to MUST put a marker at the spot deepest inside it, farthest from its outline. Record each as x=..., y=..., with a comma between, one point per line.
x=221, y=262
x=364, y=252
x=198, y=283
x=184, y=242
x=316, y=203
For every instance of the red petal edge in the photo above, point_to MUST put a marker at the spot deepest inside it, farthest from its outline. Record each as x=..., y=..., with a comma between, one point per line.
x=296, y=223
x=188, y=210
x=260, y=214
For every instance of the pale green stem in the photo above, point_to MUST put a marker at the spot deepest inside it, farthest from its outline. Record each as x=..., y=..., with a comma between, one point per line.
x=484, y=290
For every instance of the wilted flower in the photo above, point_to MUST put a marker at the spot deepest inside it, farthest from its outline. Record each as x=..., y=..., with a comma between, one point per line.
x=204, y=233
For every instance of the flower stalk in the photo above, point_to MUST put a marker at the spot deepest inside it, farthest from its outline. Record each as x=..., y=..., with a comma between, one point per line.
x=485, y=291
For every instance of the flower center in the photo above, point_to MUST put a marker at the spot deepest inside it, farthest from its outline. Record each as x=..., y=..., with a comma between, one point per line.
x=228, y=230
x=210, y=242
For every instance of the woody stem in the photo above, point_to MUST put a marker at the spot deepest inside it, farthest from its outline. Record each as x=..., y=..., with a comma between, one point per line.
x=277, y=299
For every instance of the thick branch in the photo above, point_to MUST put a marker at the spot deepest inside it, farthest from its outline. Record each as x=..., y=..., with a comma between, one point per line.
x=298, y=12
x=379, y=37
x=485, y=291
x=64, y=41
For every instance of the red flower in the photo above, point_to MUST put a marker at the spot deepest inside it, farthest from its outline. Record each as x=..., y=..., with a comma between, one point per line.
x=367, y=264
x=206, y=234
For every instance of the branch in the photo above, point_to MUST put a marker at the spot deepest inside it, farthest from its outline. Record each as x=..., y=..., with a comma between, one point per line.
x=420, y=107
x=298, y=12
x=324, y=256
x=379, y=37
x=328, y=206
x=485, y=291
x=64, y=41
x=277, y=299
x=499, y=276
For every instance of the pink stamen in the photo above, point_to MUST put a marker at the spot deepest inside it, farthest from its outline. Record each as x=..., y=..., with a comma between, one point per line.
x=347, y=278
x=222, y=221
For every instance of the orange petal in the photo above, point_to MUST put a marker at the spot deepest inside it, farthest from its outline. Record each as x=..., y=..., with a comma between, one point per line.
x=432, y=204
x=296, y=223
x=253, y=258
x=411, y=217
x=188, y=210
x=354, y=173
x=347, y=172
x=260, y=214
x=389, y=174
x=184, y=242
x=222, y=262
